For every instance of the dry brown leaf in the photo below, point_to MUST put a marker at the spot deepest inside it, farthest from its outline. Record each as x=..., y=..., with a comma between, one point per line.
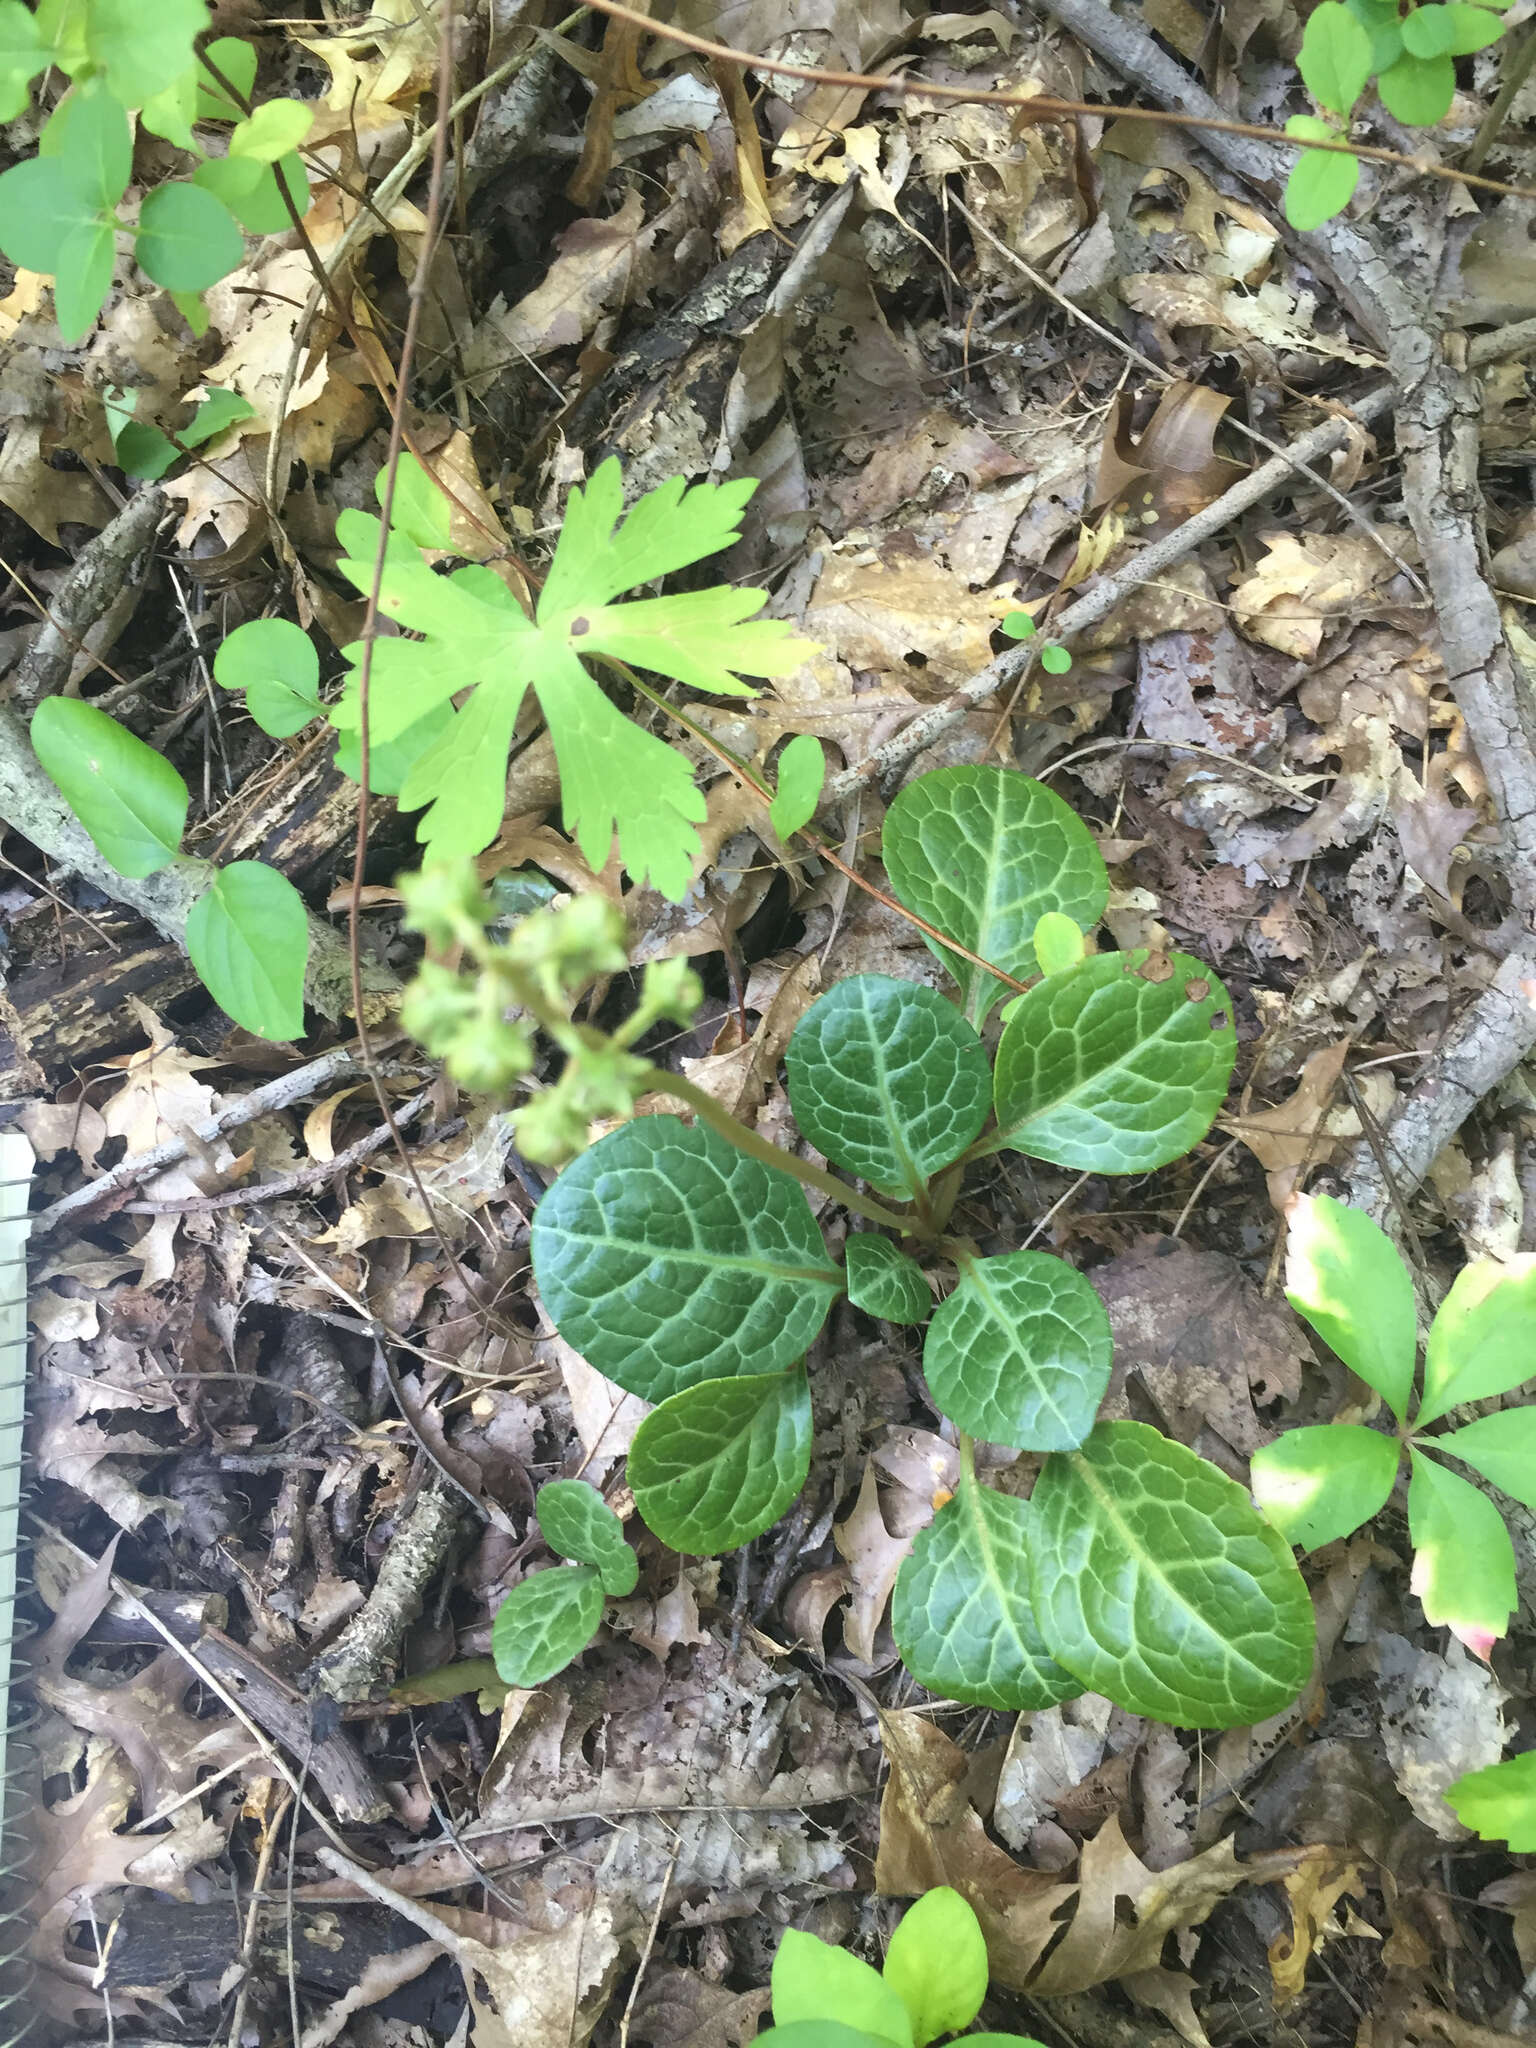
x=606, y=1418
x=44, y=497
x=595, y=268
x=1307, y=579
x=874, y=1556
x=1173, y=471
x=904, y=615
x=1313, y=1889
x=1304, y=1130
x=679, y=2008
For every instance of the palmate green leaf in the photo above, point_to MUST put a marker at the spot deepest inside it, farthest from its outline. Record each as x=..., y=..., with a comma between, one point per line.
x=666, y=1257
x=1335, y=57
x=1322, y=183
x=390, y=762
x=1499, y=1803
x=722, y=1461
x=937, y=1960
x=1107, y=1071
x=962, y=1614
x=1319, y=1484
x=669, y=528
x=883, y=1281
x=1157, y=1583
x=248, y=938
x=1463, y=1560
x=982, y=853
x=1020, y=1353
x=1418, y=90
x=813, y=1981
x=275, y=663
x=1342, y=1273
x=888, y=1080
x=130, y=799
x=578, y=1523
x=802, y=770
x=1502, y=1447
x=545, y=1622
x=1483, y=1339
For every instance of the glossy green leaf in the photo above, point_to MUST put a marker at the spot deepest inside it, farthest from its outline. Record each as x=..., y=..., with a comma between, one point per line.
x=1463, y=1560
x=720, y=1462
x=140, y=45
x=578, y=1523
x=962, y=1614
x=1502, y=1447
x=187, y=240
x=546, y=1621
x=1107, y=1071
x=888, y=1080
x=884, y=1281
x=1483, y=1340
x=249, y=189
x=234, y=60
x=130, y=799
x=1418, y=90
x=1319, y=1484
x=1335, y=57
x=937, y=1960
x=802, y=770
x=982, y=853
x=22, y=56
x=1342, y=1273
x=418, y=508
x=1321, y=184
x=1020, y=1353
x=1157, y=1583
x=248, y=938
x=812, y=1980
x=1499, y=1803
x=667, y=1257
x=275, y=663
x=1060, y=944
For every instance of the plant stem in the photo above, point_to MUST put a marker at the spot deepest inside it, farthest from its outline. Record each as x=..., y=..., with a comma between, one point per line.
x=967, y=1460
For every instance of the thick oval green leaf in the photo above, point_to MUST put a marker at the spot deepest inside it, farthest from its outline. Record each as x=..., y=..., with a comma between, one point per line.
x=720, y=1462
x=983, y=853
x=1317, y=1485
x=962, y=1615
x=1157, y=1583
x=248, y=938
x=1335, y=57
x=666, y=1257
x=1342, y=1273
x=1418, y=90
x=888, y=1080
x=276, y=665
x=802, y=770
x=937, y=1960
x=1321, y=184
x=130, y=799
x=187, y=240
x=884, y=1281
x=1463, y=1560
x=1502, y=1447
x=1500, y=1803
x=1020, y=1352
x=1483, y=1339
x=578, y=1523
x=1107, y=1071
x=812, y=1979
x=545, y=1622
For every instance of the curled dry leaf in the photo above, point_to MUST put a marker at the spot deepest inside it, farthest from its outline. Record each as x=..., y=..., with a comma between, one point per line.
x=1312, y=1890
x=874, y=1557
x=1305, y=581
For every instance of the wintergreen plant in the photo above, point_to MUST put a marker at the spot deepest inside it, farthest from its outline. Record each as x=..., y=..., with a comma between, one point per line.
x=933, y=1984
x=683, y=1262
x=1500, y=1803
x=537, y=1623
x=59, y=209
x=1344, y=1275
x=1410, y=53
x=248, y=933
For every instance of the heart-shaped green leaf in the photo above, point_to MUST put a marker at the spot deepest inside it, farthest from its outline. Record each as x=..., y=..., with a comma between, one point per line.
x=884, y=1281
x=249, y=940
x=720, y=1462
x=1483, y=1339
x=130, y=799
x=187, y=240
x=937, y=1960
x=545, y=1622
x=811, y=1979
x=1502, y=1447
x=1463, y=1560
x=276, y=665
x=962, y=1615
x=1117, y=1067
x=1342, y=1273
x=667, y=1257
x=888, y=1080
x=1317, y=1485
x=1020, y=1352
x=1158, y=1584
x=578, y=1523
x=1500, y=1803
x=983, y=853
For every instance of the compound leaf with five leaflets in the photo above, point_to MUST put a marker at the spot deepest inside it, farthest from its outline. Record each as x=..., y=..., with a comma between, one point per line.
x=720, y=1462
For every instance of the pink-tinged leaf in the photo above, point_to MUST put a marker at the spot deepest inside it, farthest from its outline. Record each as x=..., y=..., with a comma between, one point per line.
x=1463, y=1560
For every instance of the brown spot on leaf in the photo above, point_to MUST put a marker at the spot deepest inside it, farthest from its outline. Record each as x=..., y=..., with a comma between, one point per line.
x=580, y=626
x=1197, y=988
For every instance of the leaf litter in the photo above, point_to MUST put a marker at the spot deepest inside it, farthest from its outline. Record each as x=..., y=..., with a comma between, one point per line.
x=865, y=301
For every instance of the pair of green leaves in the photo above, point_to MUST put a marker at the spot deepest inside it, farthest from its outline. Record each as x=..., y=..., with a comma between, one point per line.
x=144, y=451
x=933, y=1983
x=248, y=935
x=550, y=1618
x=1344, y=1275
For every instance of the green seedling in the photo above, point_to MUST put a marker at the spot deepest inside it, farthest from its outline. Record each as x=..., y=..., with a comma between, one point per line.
x=550, y=1618
x=1500, y=1803
x=1054, y=658
x=1344, y=1275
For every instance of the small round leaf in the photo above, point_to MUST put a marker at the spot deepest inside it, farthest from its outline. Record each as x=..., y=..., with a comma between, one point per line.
x=1319, y=1484
x=130, y=799
x=276, y=665
x=883, y=1281
x=1020, y=1353
x=720, y=1462
x=187, y=240
x=545, y=1622
x=248, y=938
x=578, y=1523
